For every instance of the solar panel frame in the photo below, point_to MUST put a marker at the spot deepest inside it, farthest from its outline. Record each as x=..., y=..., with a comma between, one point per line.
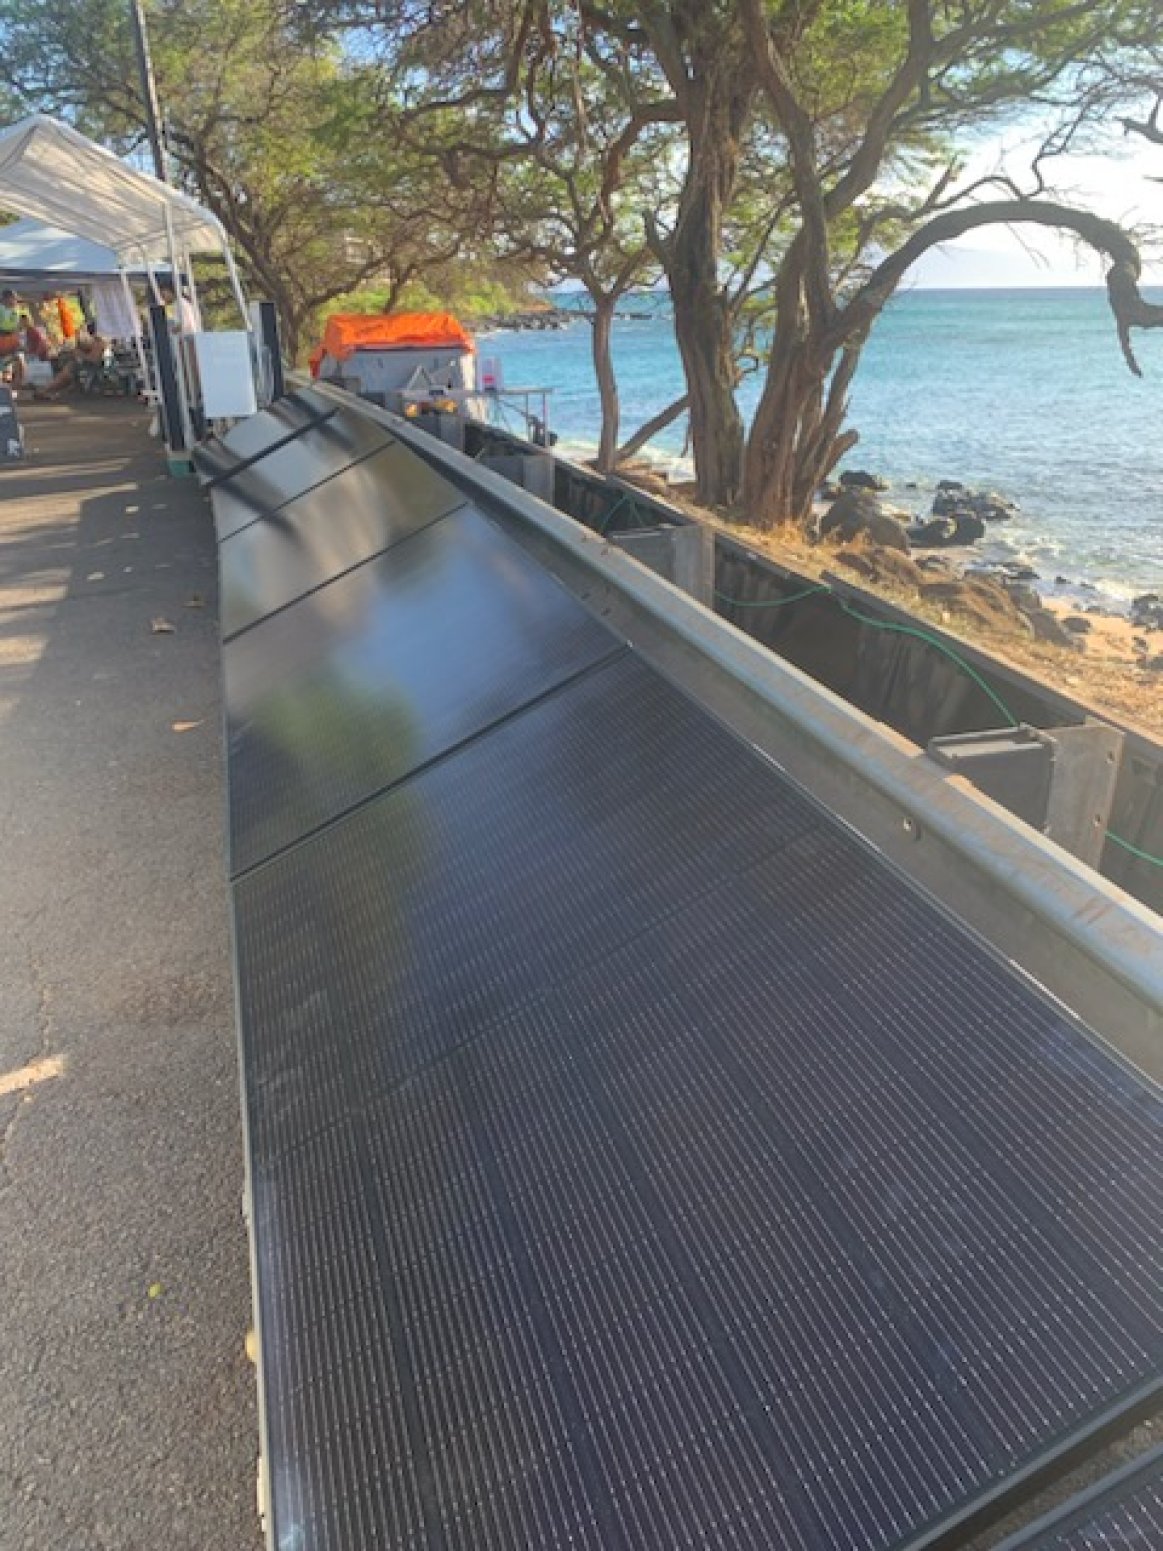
x=1119, y=1512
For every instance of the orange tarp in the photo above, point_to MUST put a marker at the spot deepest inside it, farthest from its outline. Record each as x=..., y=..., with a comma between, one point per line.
x=347, y=332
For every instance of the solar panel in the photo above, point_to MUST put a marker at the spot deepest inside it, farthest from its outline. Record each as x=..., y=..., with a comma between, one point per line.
x=211, y=459
x=638, y=1161
x=1122, y=1512
x=358, y=684
x=256, y=432
x=320, y=452
x=327, y=531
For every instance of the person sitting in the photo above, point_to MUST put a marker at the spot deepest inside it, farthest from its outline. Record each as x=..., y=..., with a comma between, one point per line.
x=89, y=351
x=11, y=338
x=36, y=342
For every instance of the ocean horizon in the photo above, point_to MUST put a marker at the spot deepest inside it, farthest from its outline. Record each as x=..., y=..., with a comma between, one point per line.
x=1017, y=389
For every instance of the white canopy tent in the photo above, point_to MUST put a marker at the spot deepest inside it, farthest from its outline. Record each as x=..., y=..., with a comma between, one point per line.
x=51, y=172
x=30, y=250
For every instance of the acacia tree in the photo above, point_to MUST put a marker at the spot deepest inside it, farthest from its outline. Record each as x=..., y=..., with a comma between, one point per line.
x=679, y=62
x=934, y=69
x=585, y=159
x=267, y=128
x=700, y=49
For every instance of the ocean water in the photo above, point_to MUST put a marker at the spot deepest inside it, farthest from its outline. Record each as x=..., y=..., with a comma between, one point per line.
x=1022, y=391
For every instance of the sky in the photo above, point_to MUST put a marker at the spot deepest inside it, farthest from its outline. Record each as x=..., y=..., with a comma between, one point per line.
x=1117, y=184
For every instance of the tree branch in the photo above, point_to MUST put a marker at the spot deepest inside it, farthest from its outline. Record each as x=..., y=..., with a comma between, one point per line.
x=651, y=428
x=1129, y=306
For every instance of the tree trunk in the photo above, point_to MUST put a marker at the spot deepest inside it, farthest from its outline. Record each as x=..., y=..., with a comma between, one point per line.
x=703, y=323
x=716, y=88
x=603, y=325
x=797, y=436
x=706, y=342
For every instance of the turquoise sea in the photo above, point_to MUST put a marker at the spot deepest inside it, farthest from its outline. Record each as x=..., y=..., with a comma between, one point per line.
x=1021, y=391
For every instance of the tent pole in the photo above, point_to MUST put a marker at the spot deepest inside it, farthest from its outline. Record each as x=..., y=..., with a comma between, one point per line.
x=127, y=292
x=179, y=352
x=154, y=288
x=235, y=282
x=197, y=305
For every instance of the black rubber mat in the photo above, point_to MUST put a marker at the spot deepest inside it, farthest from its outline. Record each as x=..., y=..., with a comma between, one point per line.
x=325, y=532
x=1123, y=1512
x=358, y=684
x=316, y=456
x=637, y=1161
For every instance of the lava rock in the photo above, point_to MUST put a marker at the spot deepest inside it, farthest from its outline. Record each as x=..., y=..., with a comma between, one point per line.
x=1022, y=595
x=859, y=512
x=858, y=560
x=878, y=563
x=950, y=484
x=1047, y=627
x=861, y=479
x=983, y=602
x=986, y=504
x=1076, y=624
x=1147, y=611
x=959, y=527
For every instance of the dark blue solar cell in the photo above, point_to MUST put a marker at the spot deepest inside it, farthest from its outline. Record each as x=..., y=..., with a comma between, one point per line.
x=639, y=1161
x=329, y=529
x=328, y=442
x=359, y=684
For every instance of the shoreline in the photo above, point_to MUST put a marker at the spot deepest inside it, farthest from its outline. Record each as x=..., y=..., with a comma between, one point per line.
x=1100, y=656
x=911, y=503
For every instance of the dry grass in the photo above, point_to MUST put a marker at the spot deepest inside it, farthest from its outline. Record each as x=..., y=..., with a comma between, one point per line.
x=1107, y=674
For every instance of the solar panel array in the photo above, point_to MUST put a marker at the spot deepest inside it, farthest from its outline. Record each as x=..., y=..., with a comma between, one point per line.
x=1123, y=1512
x=636, y=1159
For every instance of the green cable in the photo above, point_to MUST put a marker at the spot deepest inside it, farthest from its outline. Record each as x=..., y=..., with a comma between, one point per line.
x=954, y=657
x=935, y=641
x=1144, y=856
x=774, y=603
x=608, y=518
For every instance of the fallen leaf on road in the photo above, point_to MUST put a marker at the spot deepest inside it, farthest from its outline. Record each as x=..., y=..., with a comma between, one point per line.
x=185, y=726
x=156, y=1289
x=161, y=626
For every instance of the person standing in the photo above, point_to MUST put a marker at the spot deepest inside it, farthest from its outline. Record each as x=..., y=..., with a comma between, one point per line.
x=11, y=337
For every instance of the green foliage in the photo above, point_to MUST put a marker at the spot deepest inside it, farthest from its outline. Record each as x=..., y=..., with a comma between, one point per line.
x=449, y=291
x=273, y=128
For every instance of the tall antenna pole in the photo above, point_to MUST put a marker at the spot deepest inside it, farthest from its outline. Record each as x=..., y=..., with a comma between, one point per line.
x=149, y=91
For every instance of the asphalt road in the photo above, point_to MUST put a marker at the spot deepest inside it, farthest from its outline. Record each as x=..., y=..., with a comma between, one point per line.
x=127, y=1410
